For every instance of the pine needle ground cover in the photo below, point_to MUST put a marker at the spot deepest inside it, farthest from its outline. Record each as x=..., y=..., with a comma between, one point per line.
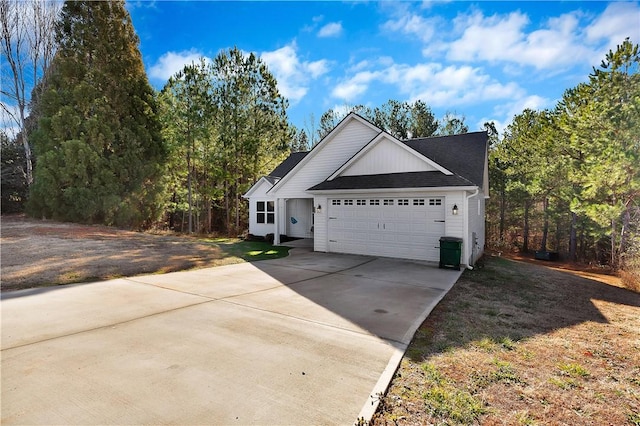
x=45, y=253
x=522, y=344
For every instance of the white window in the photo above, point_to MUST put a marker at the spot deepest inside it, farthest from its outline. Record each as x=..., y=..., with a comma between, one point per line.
x=361, y=202
x=335, y=202
x=265, y=212
x=348, y=202
x=388, y=202
x=403, y=202
x=418, y=202
x=374, y=202
x=435, y=201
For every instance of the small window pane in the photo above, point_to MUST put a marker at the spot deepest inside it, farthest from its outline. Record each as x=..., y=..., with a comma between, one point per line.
x=335, y=202
x=361, y=202
x=270, y=206
x=418, y=202
x=388, y=202
x=435, y=202
x=260, y=206
x=260, y=217
x=403, y=202
x=348, y=202
x=271, y=218
x=374, y=202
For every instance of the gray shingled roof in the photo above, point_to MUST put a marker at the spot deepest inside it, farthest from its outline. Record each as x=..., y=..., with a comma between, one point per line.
x=393, y=180
x=463, y=155
x=289, y=163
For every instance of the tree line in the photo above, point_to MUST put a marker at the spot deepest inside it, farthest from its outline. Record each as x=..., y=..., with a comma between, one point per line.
x=567, y=179
x=402, y=119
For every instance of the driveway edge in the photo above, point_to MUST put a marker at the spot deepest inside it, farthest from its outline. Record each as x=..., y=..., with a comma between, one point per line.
x=382, y=385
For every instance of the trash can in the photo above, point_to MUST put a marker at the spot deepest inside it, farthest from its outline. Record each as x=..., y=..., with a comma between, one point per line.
x=450, y=250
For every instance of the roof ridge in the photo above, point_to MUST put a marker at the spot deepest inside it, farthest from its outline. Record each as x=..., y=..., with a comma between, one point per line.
x=442, y=136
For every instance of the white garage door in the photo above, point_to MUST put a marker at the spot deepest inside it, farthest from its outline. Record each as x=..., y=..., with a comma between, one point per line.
x=408, y=228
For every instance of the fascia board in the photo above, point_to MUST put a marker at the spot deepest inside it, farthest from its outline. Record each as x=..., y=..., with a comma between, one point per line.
x=387, y=190
x=255, y=186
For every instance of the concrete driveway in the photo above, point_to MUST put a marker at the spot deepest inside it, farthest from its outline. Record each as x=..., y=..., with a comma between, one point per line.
x=307, y=339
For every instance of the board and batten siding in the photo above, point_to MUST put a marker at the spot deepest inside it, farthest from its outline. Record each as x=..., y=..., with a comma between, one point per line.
x=300, y=211
x=387, y=157
x=327, y=160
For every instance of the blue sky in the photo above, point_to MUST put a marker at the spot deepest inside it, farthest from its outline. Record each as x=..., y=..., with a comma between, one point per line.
x=484, y=60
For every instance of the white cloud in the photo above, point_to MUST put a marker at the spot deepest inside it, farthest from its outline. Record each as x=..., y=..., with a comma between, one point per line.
x=412, y=25
x=618, y=21
x=500, y=125
x=172, y=62
x=332, y=29
x=354, y=86
x=293, y=75
x=556, y=44
x=510, y=109
x=434, y=83
x=504, y=38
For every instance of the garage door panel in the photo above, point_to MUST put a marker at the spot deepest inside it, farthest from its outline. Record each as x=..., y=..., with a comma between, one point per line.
x=387, y=228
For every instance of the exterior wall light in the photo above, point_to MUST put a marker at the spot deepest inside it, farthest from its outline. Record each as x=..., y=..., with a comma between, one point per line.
x=319, y=209
x=454, y=211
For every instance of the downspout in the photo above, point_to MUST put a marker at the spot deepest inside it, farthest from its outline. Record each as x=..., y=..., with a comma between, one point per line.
x=466, y=225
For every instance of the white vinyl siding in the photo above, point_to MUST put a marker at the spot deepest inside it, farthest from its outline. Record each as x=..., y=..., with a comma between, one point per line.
x=322, y=164
x=257, y=209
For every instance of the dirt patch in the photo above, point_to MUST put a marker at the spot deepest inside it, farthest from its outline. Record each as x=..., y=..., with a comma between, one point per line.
x=523, y=343
x=40, y=253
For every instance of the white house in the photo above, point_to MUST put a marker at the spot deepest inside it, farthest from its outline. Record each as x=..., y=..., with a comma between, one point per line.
x=362, y=191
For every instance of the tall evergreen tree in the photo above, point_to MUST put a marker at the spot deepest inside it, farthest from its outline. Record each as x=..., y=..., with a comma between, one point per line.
x=100, y=152
x=251, y=124
x=403, y=120
x=300, y=142
x=13, y=180
x=187, y=112
x=451, y=124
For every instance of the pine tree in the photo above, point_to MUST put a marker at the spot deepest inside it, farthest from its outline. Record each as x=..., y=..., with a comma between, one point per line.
x=252, y=126
x=601, y=121
x=100, y=152
x=186, y=111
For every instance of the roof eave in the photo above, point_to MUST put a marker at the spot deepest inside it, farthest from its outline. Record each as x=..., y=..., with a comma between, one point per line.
x=251, y=190
x=375, y=190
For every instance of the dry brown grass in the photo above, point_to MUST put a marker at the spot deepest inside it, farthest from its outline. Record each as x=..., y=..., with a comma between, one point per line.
x=515, y=343
x=42, y=253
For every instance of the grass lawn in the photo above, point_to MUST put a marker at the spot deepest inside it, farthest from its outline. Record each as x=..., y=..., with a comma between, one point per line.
x=522, y=344
x=249, y=251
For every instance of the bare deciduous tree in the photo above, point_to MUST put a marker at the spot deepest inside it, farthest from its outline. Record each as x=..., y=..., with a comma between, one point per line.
x=27, y=44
